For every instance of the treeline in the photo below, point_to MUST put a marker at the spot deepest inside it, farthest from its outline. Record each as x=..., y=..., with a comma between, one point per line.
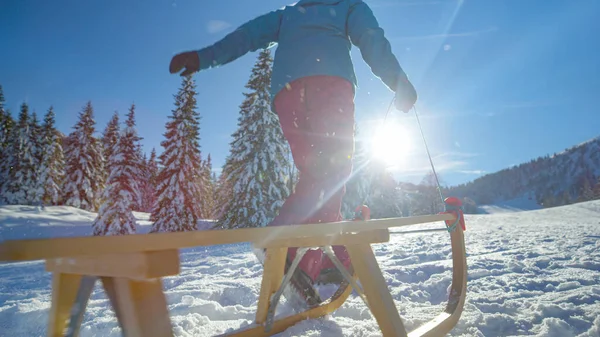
x=107, y=173
x=561, y=179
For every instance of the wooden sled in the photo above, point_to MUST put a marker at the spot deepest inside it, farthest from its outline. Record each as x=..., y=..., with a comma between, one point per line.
x=131, y=268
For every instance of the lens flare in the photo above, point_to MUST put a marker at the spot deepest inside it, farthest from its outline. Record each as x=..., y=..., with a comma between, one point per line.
x=391, y=144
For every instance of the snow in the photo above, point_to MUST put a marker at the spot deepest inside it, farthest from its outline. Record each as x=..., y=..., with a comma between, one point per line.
x=534, y=272
x=525, y=202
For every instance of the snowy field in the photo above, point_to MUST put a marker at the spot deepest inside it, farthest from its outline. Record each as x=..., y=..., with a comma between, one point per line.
x=530, y=273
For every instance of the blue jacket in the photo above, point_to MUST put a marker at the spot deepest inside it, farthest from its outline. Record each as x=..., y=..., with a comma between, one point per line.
x=313, y=37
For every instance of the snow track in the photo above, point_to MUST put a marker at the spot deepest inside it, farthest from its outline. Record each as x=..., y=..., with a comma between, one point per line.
x=530, y=273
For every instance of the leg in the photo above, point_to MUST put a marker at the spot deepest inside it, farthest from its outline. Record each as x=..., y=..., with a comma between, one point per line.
x=330, y=126
x=317, y=119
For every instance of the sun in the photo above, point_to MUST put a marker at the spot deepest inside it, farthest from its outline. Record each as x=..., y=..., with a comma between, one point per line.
x=391, y=144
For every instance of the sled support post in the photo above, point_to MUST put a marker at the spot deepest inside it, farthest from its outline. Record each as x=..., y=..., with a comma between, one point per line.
x=64, y=291
x=375, y=288
x=272, y=276
x=141, y=307
x=132, y=282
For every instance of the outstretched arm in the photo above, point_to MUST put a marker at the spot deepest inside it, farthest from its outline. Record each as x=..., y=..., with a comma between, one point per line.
x=365, y=33
x=255, y=34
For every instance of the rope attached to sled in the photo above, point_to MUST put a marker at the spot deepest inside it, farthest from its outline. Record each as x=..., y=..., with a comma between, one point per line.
x=439, y=187
x=453, y=205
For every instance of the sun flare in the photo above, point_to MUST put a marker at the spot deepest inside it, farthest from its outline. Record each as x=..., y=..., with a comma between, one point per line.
x=391, y=144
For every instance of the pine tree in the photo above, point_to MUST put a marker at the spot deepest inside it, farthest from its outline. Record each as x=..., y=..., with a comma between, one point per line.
x=179, y=197
x=110, y=137
x=150, y=169
x=385, y=198
x=427, y=201
x=597, y=190
x=52, y=163
x=223, y=193
x=6, y=150
x=84, y=169
x=587, y=193
x=256, y=166
x=566, y=198
x=122, y=188
x=208, y=200
x=22, y=161
x=136, y=158
x=6, y=124
x=35, y=189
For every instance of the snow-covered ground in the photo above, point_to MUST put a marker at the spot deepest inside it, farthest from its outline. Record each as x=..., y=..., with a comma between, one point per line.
x=525, y=202
x=530, y=273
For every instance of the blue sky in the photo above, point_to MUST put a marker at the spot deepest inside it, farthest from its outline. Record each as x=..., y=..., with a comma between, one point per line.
x=500, y=81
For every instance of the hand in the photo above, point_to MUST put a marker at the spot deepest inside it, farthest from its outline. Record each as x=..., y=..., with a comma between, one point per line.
x=406, y=95
x=188, y=60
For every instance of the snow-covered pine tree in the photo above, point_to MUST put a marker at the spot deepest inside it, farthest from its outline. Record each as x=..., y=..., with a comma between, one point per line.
x=6, y=124
x=179, y=197
x=52, y=163
x=385, y=198
x=84, y=168
x=223, y=193
x=6, y=149
x=116, y=213
x=136, y=157
x=427, y=201
x=258, y=161
x=214, y=185
x=150, y=169
x=587, y=193
x=35, y=189
x=208, y=199
x=110, y=137
x=23, y=163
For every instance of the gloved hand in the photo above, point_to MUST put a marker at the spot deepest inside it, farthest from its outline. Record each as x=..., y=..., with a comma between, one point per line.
x=406, y=95
x=188, y=60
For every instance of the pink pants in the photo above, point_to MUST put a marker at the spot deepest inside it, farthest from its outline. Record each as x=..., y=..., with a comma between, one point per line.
x=317, y=118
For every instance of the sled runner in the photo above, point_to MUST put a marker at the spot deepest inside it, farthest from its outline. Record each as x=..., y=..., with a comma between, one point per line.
x=131, y=268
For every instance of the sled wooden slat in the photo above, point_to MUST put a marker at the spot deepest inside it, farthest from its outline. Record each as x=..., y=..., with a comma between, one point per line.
x=39, y=249
x=272, y=275
x=64, y=291
x=445, y=322
x=143, y=265
x=142, y=306
x=282, y=324
x=378, y=296
x=374, y=236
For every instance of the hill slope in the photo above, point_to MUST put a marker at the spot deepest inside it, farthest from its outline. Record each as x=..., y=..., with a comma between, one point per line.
x=534, y=272
x=551, y=180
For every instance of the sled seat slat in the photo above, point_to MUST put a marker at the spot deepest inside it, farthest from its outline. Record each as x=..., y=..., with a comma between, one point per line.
x=40, y=249
x=137, y=266
x=374, y=236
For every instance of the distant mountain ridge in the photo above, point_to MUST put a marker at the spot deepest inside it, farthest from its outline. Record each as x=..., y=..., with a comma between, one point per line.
x=565, y=177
